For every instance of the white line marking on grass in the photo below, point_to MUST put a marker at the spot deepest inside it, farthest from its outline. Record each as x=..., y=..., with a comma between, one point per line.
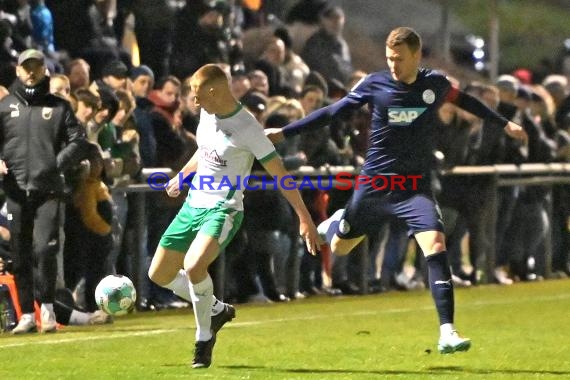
x=328, y=316
x=469, y=305
x=115, y=335
x=112, y=335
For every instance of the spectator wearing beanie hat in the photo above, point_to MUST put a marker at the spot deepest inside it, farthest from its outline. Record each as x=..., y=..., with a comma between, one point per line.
x=143, y=80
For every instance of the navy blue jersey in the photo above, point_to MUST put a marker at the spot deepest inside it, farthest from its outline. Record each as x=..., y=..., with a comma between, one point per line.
x=401, y=136
x=401, y=140
x=403, y=117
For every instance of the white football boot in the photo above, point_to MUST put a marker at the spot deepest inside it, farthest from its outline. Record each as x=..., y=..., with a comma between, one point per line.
x=453, y=342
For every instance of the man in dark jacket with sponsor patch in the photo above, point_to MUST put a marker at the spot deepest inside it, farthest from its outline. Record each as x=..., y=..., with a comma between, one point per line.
x=39, y=139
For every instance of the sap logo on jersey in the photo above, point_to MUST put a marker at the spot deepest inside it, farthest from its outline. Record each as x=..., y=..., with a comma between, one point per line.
x=404, y=116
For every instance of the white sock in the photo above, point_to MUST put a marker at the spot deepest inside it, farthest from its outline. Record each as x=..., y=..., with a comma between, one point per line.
x=180, y=285
x=202, y=299
x=47, y=307
x=217, y=306
x=446, y=328
x=28, y=317
x=79, y=318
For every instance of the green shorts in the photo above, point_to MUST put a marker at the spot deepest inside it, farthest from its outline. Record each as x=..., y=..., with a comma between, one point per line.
x=219, y=222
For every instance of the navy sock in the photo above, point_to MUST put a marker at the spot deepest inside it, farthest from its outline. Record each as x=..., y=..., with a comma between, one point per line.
x=441, y=286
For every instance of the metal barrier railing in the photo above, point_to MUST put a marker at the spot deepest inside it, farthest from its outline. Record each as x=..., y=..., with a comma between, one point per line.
x=501, y=175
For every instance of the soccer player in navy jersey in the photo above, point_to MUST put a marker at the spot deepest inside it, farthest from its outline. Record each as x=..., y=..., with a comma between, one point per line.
x=403, y=101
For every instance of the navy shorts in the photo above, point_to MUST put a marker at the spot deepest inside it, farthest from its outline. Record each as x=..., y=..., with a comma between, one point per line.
x=368, y=209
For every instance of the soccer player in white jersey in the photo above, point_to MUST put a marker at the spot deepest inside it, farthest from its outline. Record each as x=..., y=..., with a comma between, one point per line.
x=229, y=138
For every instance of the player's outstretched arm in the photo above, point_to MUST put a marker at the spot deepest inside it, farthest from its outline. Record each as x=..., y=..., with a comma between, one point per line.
x=322, y=116
x=173, y=188
x=307, y=228
x=477, y=108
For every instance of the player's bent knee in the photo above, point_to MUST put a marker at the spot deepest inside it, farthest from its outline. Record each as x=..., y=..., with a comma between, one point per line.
x=153, y=276
x=165, y=266
x=438, y=247
x=431, y=242
x=196, y=273
x=435, y=249
x=156, y=277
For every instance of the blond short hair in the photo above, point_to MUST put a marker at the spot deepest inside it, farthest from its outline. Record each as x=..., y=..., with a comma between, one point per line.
x=209, y=74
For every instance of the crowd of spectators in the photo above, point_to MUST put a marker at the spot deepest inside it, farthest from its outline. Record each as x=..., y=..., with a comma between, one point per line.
x=144, y=116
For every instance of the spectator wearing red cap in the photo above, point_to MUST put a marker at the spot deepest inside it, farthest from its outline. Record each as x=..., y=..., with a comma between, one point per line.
x=524, y=75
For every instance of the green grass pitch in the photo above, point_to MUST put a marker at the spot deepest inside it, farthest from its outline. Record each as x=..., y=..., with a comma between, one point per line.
x=518, y=332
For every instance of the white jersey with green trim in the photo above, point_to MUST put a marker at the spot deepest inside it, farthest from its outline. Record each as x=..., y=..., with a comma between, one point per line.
x=227, y=147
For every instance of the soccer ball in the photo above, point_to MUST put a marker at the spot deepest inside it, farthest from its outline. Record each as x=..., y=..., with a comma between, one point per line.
x=116, y=295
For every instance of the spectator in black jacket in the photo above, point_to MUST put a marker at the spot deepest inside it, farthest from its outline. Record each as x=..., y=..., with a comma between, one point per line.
x=327, y=51
x=531, y=224
x=170, y=152
x=34, y=126
x=507, y=197
x=200, y=37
